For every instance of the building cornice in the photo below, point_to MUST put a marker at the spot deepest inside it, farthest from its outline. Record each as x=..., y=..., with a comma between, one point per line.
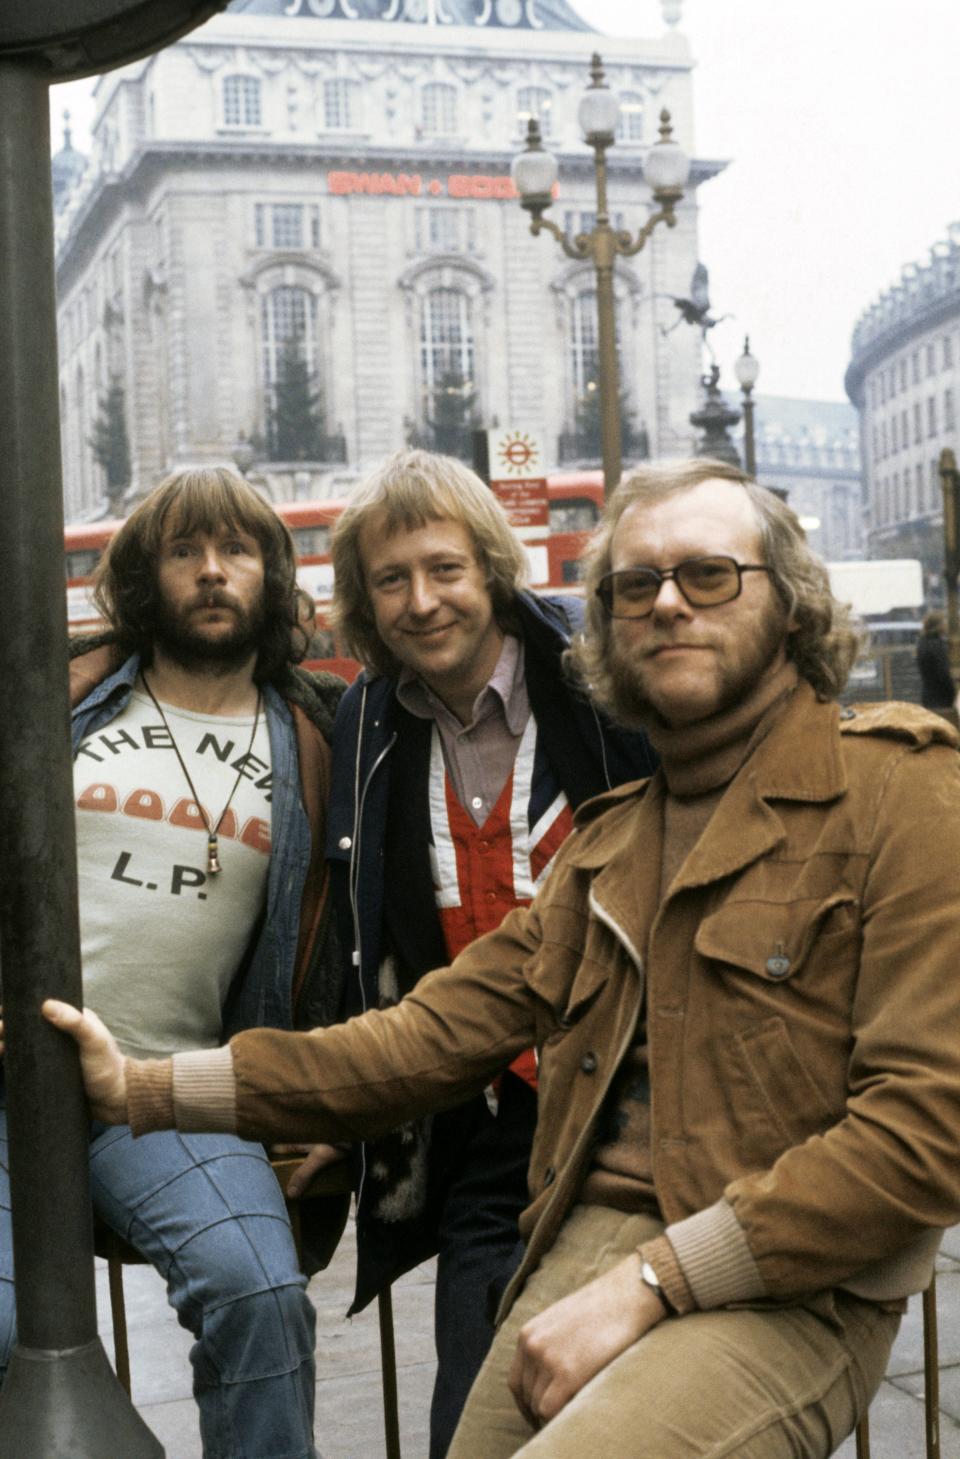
x=148, y=163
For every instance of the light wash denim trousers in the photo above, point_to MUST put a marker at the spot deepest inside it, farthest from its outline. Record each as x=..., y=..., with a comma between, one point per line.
x=207, y=1212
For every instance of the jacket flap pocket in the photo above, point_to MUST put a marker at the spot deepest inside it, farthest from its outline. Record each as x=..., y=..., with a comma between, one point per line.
x=591, y=977
x=769, y=939
x=568, y=986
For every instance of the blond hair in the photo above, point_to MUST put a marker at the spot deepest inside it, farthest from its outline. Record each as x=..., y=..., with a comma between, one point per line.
x=405, y=492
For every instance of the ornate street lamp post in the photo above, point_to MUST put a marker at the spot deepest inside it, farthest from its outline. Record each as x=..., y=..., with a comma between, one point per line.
x=666, y=170
x=746, y=369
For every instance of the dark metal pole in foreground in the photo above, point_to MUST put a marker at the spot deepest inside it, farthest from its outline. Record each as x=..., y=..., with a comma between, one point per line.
x=61, y=1399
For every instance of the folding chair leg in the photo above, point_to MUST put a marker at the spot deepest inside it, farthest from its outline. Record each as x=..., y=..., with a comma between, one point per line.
x=388, y=1367
x=931, y=1371
x=862, y=1433
x=118, y=1312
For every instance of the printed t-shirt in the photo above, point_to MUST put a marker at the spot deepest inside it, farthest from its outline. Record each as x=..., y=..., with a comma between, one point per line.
x=161, y=938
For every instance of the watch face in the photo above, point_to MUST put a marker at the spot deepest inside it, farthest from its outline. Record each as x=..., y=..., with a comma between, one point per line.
x=509, y=12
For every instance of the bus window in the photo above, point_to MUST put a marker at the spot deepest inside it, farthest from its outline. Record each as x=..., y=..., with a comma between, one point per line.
x=573, y=515
x=313, y=541
x=82, y=562
x=322, y=646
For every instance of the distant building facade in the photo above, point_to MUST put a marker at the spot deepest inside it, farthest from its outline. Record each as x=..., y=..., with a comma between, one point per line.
x=904, y=379
x=296, y=243
x=811, y=450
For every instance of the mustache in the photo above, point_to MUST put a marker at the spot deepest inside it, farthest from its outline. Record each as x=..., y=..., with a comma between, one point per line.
x=213, y=598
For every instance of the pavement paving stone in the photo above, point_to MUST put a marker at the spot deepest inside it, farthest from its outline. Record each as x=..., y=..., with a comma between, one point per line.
x=950, y=1246
x=897, y=1429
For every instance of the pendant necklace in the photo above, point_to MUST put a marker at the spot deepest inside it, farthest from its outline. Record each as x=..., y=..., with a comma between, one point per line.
x=213, y=863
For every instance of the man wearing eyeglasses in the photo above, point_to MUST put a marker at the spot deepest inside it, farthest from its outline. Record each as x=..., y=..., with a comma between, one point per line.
x=748, y=1140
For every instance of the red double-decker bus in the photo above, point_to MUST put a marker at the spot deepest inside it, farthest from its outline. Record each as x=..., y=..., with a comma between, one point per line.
x=310, y=523
x=575, y=504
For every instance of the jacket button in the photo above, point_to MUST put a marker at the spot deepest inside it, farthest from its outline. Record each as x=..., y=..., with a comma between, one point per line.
x=589, y=1063
x=549, y=1176
x=344, y=843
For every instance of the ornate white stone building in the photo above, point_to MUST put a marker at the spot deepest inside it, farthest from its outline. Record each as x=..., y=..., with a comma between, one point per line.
x=811, y=450
x=332, y=177
x=904, y=379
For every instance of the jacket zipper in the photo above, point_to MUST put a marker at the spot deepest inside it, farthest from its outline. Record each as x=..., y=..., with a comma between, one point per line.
x=360, y=795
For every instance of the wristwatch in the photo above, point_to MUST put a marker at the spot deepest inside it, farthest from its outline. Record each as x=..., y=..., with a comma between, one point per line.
x=650, y=1279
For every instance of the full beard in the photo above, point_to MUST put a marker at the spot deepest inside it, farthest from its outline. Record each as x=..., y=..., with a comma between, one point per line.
x=632, y=705
x=191, y=649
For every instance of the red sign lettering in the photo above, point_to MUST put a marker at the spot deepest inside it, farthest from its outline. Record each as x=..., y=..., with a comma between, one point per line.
x=477, y=187
x=525, y=502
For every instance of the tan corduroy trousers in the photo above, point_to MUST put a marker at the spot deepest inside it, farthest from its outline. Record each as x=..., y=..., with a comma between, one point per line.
x=757, y=1383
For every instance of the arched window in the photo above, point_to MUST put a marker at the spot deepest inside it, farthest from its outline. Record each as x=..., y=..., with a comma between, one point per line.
x=241, y=101
x=289, y=315
x=446, y=340
x=535, y=101
x=447, y=366
x=584, y=346
x=583, y=437
x=340, y=104
x=294, y=414
x=630, y=126
x=438, y=108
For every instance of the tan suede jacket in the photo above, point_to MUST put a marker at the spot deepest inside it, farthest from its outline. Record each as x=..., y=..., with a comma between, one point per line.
x=802, y=986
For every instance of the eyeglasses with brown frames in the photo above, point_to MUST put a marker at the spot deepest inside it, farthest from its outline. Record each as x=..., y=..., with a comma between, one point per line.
x=705, y=582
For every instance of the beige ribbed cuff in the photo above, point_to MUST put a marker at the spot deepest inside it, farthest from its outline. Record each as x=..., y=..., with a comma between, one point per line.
x=714, y=1257
x=205, y=1091
x=149, y=1094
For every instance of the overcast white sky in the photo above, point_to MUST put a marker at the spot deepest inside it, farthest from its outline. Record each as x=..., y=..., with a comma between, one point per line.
x=840, y=120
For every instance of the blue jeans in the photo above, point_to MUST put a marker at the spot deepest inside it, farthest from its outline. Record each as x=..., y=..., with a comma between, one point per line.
x=207, y=1212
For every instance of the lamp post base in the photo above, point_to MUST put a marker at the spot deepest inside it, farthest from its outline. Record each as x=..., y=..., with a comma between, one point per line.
x=68, y=1404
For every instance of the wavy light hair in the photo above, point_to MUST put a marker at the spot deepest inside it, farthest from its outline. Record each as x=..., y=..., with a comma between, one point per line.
x=408, y=490
x=823, y=644
x=201, y=499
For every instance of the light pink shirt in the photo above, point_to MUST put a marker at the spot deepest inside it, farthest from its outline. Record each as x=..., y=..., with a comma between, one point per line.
x=478, y=756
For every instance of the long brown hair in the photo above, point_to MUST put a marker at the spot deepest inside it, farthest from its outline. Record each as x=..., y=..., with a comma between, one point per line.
x=202, y=499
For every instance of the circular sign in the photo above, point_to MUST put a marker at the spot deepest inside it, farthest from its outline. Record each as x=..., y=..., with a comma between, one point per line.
x=518, y=452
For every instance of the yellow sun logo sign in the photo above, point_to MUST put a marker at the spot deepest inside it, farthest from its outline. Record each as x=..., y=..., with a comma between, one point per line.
x=518, y=454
